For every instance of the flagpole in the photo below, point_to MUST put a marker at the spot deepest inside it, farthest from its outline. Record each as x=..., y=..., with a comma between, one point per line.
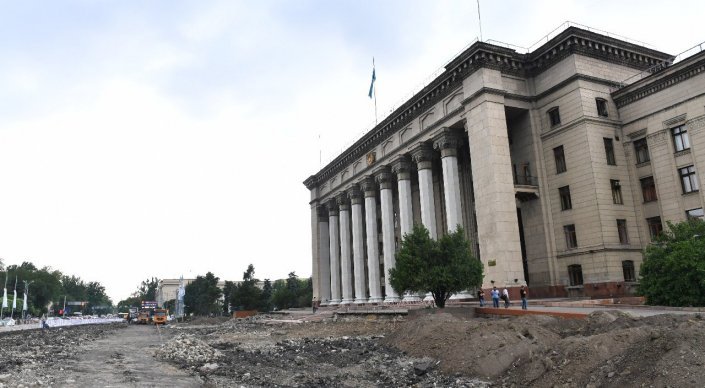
x=14, y=300
x=374, y=90
x=4, y=298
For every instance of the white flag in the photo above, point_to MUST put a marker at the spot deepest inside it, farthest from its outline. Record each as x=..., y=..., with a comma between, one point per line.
x=14, y=300
x=4, y=298
x=24, y=304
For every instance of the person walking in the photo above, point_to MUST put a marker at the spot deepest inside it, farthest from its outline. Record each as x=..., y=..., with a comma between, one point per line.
x=505, y=297
x=495, y=297
x=523, y=293
x=481, y=297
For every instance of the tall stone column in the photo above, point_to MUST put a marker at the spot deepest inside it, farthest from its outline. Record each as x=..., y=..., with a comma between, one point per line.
x=334, y=235
x=324, y=255
x=386, y=180
x=370, y=189
x=495, y=204
x=423, y=156
x=402, y=167
x=345, y=249
x=315, y=260
x=448, y=142
x=358, y=234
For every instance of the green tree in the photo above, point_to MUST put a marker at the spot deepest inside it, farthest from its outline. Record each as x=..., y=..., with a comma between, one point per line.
x=673, y=272
x=202, y=295
x=246, y=295
x=228, y=290
x=292, y=292
x=98, y=300
x=124, y=305
x=442, y=267
x=266, y=296
x=44, y=286
x=148, y=289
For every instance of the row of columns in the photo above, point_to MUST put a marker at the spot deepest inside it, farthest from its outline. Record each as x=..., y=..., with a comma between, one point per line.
x=342, y=261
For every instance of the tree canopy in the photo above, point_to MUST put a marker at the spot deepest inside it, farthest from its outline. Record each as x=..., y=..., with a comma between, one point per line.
x=443, y=267
x=49, y=287
x=246, y=295
x=202, y=295
x=673, y=272
x=292, y=292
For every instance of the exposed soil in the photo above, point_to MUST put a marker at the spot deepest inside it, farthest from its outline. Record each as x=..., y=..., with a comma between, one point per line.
x=609, y=349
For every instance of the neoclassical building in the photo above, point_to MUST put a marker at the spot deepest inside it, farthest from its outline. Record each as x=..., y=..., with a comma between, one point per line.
x=560, y=164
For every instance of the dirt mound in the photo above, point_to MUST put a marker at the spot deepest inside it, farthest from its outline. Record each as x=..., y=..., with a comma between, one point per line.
x=608, y=348
x=479, y=347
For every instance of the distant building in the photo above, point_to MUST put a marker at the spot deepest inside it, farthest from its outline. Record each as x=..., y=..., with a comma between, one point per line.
x=168, y=288
x=561, y=165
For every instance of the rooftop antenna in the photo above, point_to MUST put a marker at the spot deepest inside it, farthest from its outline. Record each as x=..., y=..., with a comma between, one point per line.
x=479, y=18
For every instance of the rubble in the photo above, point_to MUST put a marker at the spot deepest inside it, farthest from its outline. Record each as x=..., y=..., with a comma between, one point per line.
x=608, y=348
x=32, y=357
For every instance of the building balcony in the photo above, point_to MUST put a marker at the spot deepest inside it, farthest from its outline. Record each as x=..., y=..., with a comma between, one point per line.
x=526, y=188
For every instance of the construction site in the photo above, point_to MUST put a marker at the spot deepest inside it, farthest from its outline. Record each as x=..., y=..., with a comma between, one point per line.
x=545, y=346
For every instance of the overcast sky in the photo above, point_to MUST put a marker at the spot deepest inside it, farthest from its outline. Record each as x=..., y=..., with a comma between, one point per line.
x=169, y=138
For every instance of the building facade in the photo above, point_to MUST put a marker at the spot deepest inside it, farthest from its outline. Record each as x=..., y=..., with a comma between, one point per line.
x=561, y=165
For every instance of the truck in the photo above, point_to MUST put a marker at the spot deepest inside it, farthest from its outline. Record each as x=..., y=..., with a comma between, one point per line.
x=144, y=317
x=160, y=315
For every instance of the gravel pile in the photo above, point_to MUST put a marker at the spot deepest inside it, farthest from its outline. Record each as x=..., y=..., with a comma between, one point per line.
x=187, y=350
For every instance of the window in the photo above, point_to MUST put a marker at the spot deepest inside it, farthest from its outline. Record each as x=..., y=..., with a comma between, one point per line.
x=648, y=188
x=609, y=151
x=655, y=226
x=628, y=271
x=601, y=107
x=554, y=116
x=689, y=182
x=564, y=193
x=616, y=191
x=695, y=214
x=559, y=156
x=622, y=231
x=571, y=240
x=575, y=274
x=641, y=150
x=680, y=138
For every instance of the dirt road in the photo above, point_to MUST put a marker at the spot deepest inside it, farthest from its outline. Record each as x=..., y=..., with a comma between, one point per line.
x=116, y=361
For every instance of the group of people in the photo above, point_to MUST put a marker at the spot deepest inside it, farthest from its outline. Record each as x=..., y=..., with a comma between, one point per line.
x=504, y=295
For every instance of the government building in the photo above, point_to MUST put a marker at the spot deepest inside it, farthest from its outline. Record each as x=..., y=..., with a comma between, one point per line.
x=561, y=164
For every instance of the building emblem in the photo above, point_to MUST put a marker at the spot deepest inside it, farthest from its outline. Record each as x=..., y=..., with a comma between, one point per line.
x=371, y=157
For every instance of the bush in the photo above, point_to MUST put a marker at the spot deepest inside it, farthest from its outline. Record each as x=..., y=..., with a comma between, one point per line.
x=673, y=272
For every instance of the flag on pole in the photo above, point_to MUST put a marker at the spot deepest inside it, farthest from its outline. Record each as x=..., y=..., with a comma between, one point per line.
x=372, y=84
x=24, y=304
x=4, y=298
x=14, y=300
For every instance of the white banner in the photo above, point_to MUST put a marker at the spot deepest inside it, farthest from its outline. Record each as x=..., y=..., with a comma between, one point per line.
x=4, y=298
x=14, y=300
x=24, y=304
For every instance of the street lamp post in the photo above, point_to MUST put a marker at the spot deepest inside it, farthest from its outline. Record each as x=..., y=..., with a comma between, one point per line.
x=26, y=296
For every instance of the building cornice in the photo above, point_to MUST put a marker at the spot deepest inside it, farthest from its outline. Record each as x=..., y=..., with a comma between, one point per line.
x=484, y=55
x=659, y=81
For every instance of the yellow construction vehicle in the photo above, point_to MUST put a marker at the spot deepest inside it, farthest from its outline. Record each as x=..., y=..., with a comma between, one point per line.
x=160, y=315
x=144, y=317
